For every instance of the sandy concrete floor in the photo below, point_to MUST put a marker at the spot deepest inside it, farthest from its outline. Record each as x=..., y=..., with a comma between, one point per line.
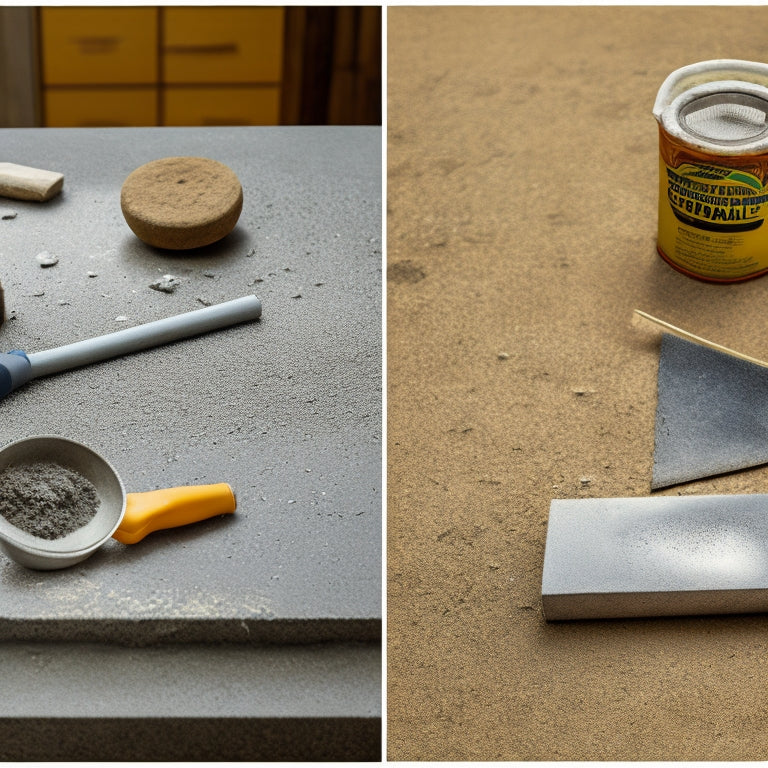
x=522, y=205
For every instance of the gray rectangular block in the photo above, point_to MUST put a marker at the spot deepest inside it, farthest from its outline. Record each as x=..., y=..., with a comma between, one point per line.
x=659, y=556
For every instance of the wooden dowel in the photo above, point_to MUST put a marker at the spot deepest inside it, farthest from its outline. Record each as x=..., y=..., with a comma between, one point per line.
x=697, y=339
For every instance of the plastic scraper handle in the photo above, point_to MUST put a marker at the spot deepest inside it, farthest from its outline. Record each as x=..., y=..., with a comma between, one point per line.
x=172, y=507
x=17, y=367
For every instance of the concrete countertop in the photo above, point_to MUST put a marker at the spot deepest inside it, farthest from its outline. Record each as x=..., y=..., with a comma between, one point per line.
x=286, y=409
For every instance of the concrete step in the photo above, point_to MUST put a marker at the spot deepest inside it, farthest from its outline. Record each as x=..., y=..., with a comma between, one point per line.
x=77, y=701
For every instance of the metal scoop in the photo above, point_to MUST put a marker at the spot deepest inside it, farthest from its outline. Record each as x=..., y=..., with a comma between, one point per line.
x=127, y=517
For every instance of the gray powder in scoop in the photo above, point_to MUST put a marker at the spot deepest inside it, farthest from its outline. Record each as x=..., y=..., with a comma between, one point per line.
x=45, y=499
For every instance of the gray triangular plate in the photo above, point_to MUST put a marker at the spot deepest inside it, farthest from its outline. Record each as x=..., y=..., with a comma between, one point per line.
x=712, y=413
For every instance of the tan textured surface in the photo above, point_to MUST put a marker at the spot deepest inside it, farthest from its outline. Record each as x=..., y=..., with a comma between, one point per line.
x=522, y=198
x=181, y=202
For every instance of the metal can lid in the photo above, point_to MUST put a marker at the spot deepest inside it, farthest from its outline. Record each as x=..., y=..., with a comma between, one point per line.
x=727, y=117
x=720, y=105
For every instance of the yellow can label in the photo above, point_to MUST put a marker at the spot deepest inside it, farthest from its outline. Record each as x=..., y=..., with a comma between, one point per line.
x=712, y=220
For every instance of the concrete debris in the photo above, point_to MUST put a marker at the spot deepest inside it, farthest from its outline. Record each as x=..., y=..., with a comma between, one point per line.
x=46, y=260
x=166, y=284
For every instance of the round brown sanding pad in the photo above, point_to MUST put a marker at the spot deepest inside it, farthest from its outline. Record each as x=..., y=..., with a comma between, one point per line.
x=181, y=202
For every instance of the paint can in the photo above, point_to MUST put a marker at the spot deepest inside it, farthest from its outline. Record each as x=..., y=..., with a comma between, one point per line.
x=713, y=170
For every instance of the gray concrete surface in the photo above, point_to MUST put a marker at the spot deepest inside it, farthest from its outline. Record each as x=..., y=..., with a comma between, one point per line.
x=657, y=556
x=232, y=680
x=286, y=409
x=190, y=702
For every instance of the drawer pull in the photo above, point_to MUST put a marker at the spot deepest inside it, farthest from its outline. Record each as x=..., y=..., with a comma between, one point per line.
x=97, y=45
x=214, y=48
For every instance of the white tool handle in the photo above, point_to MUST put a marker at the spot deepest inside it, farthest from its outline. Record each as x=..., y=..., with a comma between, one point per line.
x=144, y=336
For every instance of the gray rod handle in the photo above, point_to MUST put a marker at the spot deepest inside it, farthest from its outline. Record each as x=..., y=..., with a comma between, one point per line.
x=144, y=336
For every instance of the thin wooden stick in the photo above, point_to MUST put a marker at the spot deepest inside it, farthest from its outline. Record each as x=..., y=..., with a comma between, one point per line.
x=698, y=340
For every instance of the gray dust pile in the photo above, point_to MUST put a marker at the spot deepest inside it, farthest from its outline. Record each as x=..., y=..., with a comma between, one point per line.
x=45, y=499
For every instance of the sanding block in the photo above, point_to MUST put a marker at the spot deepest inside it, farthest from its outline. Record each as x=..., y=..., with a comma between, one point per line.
x=181, y=203
x=24, y=183
x=659, y=556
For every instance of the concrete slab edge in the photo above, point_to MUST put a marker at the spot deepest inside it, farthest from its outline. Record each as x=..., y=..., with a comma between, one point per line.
x=79, y=701
x=615, y=605
x=144, y=632
x=319, y=739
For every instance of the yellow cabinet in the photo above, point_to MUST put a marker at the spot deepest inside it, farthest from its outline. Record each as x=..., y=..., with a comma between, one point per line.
x=222, y=106
x=163, y=65
x=81, y=107
x=99, y=45
x=222, y=45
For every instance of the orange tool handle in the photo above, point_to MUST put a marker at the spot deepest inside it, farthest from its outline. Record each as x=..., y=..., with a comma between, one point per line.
x=172, y=507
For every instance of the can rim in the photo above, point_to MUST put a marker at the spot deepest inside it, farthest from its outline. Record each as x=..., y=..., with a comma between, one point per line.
x=753, y=105
x=673, y=117
x=702, y=72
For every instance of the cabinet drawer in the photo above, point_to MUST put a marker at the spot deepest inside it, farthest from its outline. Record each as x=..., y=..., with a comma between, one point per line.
x=222, y=106
x=81, y=107
x=99, y=45
x=222, y=45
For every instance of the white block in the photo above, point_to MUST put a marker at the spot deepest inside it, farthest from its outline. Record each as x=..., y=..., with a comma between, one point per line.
x=24, y=183
x=658, y=556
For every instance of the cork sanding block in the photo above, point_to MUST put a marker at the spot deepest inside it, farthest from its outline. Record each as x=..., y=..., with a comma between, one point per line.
x=658, y=556
x=23, y=183
x=181, y=202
